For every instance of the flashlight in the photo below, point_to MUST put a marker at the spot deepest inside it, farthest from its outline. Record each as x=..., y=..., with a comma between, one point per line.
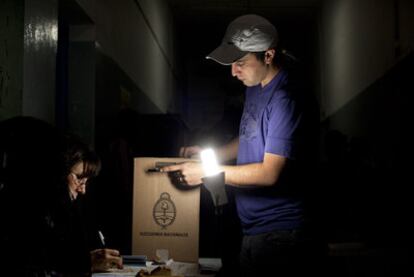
x=213, y=179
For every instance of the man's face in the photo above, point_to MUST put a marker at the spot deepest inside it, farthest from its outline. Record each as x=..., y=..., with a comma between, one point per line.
x=249, y=70
x=76, y=181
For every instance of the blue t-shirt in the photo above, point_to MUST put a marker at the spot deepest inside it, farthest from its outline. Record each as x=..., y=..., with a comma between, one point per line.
x=271, y=123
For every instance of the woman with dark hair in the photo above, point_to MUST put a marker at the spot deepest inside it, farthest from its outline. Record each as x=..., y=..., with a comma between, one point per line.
x=45, y=226
x=27, y=187
x=78, y=242
x=80, y=164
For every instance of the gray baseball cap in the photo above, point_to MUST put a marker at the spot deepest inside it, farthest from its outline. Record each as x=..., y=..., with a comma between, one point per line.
x=247, y=33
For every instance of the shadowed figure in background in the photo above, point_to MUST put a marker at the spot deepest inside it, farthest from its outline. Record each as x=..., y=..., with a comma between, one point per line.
x=30, y=164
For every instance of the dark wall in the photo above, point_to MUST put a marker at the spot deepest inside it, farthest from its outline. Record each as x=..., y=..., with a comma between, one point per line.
x=366, y=173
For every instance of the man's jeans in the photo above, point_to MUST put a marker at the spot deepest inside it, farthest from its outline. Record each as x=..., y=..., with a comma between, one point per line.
x=280, y=253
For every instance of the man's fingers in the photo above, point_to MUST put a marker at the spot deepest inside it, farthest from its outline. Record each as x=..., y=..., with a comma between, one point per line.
x=189, y=173
x=182, y=151
x=189, y=151
x=171, y=168
x=192, y=151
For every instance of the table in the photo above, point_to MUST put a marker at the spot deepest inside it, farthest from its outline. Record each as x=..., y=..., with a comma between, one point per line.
x=177, y=269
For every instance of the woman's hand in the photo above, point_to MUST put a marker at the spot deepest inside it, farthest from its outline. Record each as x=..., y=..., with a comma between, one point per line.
x=104, y=259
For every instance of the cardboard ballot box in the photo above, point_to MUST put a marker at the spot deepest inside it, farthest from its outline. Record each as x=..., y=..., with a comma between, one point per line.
x=166, y=213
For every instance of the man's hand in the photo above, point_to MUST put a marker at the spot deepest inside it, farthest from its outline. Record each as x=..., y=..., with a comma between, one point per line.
x=189, y=173
x=190, y=151
x=104, y=259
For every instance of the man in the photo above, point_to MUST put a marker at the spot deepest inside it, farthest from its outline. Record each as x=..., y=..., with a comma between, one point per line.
x=275, y=143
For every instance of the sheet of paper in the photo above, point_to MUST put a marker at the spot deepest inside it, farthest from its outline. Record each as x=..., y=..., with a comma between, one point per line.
x=128, y=270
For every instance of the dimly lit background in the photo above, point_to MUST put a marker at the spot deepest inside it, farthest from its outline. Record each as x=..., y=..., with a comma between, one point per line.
x=131, y=79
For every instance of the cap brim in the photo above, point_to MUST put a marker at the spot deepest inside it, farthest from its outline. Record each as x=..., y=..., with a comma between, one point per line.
x=226, y=54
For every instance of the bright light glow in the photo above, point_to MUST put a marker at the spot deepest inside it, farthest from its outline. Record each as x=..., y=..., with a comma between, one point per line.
x=209, y=161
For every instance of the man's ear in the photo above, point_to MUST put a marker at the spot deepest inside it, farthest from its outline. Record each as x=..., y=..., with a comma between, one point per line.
x=269, y=56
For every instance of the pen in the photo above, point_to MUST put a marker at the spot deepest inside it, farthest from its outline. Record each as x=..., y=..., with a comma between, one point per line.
x=102, y=238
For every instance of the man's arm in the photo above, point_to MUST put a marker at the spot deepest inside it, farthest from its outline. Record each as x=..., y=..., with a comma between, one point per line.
x=265, y=173
x=224, y=153
x=228, y=151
